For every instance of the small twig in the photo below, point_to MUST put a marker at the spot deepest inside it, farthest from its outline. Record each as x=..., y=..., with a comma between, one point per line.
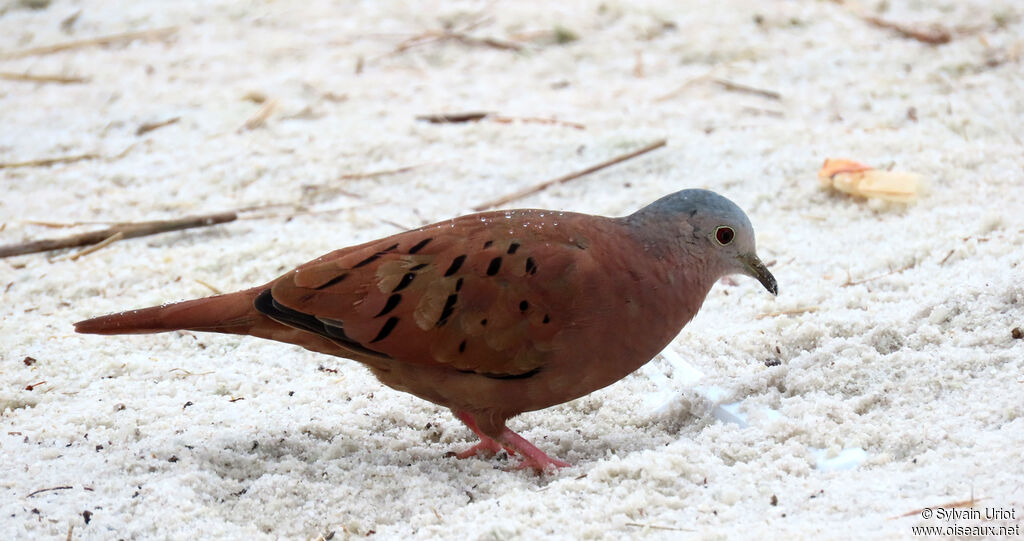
x=535, y=120
x=962, y=503
x=759, y=111
x=78, y=44
x=33, y=78
x=934, y=35
x=681, y=88
x=375, y=174
x=791, y=312
x=485, y=42
x=657, y=527
x=43, y=162
x=737, y=87
x=950, y=254
x=259, y=119
x=129, y=230
x=453, y=118
x=40, y=491
x=215, y=290
x=474, y=116
x=571, y=176
x=150, y=126
x=187, y=373
x=71, y=528
x=99, y=245
x=883, y=275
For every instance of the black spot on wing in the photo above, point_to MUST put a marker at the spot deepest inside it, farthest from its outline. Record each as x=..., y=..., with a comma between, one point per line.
x=389, y=326
x=531, y=266
x=337, y=279
x=404, y=282
x=420, y=245
x=417, y=267
x=375, y=256
x=512, y=248
x=390, y=305
x=449, y=307
x=494, y=267
x=454, y=267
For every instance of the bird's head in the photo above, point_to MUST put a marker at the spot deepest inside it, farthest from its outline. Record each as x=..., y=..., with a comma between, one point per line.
x=711, y=228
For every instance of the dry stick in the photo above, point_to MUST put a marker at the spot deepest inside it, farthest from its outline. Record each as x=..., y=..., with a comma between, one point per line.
x=791, y=312
x=40, y=491
x=65, y=159
x=453, y=118
x=737, y=87
x=375, y=174
x=547, y=184
x=891, y=272
x=150, y=126
x=31, y=78
x=936, y=35
x=99, y=246
x=129, y=230
x=535, y=120
x=49, y=161
x=962, y=503
x=474, y=116
x=102, y=40
x=260, y=118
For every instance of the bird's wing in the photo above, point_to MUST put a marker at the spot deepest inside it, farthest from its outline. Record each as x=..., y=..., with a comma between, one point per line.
x=483, y=293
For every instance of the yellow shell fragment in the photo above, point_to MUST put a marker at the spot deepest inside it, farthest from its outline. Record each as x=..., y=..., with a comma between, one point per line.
x=858, y=179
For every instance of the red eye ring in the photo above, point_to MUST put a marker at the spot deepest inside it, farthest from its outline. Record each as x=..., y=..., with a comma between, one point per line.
x=724, y=235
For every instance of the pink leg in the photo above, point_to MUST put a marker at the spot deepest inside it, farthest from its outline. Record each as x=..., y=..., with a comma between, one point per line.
x=532, y=456
x=487, y=445
x=512, y=443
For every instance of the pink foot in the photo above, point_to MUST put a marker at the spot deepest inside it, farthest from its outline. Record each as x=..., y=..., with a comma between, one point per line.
x=512, y=443
x=487, y=447
x=532, y=456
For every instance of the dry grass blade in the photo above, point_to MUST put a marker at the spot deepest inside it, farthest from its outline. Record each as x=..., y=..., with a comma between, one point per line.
x=536, y=120
x=34, y=78
x=933, y=35
x=571, y=176
x=150, y=126
x=453, y=118
x=792, y=312
x=49, y=161
x=375, y=174
x=949, y=505
x=737, y=87
x=127, y=230
x=260, y=118
x=90, y=42
x=99, y=245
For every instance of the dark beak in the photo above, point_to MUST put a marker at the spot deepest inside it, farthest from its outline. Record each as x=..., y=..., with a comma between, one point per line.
x=757, y=269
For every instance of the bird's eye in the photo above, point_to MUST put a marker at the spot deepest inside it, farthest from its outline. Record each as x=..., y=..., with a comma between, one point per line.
x=724, y=235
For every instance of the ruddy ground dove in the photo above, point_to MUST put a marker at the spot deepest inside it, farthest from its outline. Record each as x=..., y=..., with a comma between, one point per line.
x=497, y=313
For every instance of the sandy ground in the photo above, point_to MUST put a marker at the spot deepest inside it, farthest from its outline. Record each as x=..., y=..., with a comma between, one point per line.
x=884, y=378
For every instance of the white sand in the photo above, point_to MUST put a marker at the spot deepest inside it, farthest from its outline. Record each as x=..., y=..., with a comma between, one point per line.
x=916, y=367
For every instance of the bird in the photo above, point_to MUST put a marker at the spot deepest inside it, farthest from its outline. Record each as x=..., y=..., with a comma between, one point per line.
x=496, y=313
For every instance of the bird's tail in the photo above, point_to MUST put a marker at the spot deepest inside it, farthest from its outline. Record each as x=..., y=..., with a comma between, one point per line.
x=232, y=313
